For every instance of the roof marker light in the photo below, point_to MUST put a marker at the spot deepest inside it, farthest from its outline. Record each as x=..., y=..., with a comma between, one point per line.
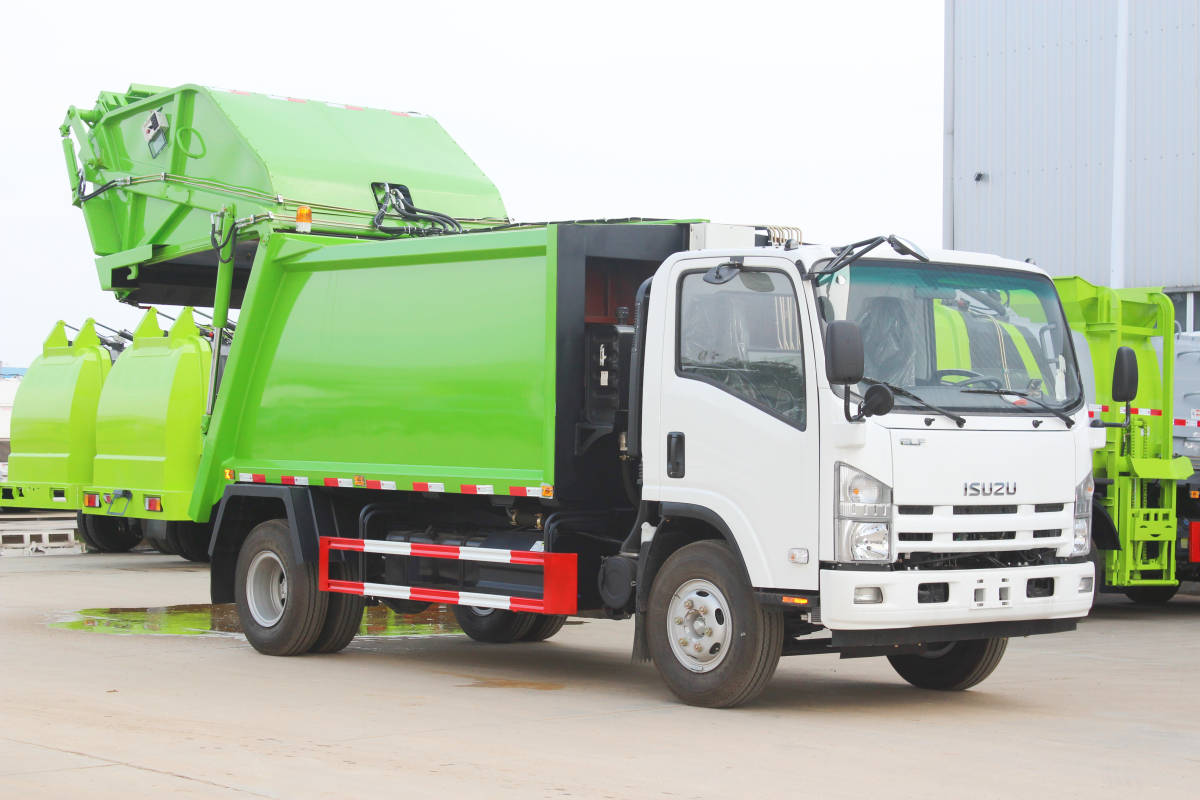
x=304, y=219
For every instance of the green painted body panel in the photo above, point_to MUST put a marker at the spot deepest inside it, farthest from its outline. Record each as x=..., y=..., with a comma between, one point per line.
x=148, y=437
x=54, y=422
x=263, y=155
x=409, y=361
x=1140, y=461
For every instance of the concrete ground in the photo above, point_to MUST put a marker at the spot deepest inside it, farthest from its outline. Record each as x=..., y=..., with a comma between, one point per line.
x=1108, y=711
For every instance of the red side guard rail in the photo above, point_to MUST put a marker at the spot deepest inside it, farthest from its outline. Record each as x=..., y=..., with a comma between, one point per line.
x=559, y=589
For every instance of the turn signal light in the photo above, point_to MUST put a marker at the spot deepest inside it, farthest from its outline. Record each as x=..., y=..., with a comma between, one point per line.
x=304, y=219
x=91, y=500
x=154, y=504
x=798, y=601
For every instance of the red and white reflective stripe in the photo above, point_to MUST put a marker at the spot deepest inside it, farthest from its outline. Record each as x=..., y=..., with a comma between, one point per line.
x=1094, y=410
x=559, y=581
x=488, y=554
x=343, y=105
x=1146, y=412
x=545, y=490
x=1187, y=423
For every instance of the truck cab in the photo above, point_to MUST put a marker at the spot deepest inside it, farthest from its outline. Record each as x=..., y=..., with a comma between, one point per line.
x=959, y=513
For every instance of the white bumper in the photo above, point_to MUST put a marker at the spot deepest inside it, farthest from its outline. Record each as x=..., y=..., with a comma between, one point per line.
x=975, y=595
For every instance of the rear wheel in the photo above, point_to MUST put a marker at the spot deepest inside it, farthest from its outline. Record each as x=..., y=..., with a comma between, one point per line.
x=111, y=534
x=1151, y=595
x=544, y=626
x=710, y=639
x=280, y=608
x=492, y=624
x=344, y=616
x=953, y=666
x=189, y=539
x=81, y=526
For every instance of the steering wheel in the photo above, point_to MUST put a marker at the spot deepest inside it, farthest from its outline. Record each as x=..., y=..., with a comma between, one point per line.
x=971, y=376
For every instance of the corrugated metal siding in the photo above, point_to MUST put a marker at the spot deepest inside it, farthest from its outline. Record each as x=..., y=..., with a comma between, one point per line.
x=1029, y=104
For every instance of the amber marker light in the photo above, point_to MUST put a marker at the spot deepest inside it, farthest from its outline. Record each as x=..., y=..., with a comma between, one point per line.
x=304, y=219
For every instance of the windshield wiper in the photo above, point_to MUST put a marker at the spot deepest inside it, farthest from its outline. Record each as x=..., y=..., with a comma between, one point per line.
x=960, y=421
x=1070, y=422
x=847, y=254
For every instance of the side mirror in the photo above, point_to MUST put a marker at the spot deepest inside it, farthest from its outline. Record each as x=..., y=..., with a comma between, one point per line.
x=844, y=352
x=878, y=401
x=1125, y=376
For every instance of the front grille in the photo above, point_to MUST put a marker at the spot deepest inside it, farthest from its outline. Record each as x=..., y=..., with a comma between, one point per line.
x=989, y=560
x=984, y=536
x=922, y=510
x=1043, y=508
x=1047, y=533
x=915, y=537
x=985, y=509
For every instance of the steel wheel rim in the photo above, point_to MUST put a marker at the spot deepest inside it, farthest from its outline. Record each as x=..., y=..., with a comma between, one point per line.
x=266, y=588
x=699, y=625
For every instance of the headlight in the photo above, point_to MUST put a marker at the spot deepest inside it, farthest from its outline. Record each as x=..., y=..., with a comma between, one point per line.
x=1082, y=542
x=865, y=541
x=864, y=512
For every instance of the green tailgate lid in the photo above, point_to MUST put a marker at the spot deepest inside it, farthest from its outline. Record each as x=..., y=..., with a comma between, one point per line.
x=150, y=166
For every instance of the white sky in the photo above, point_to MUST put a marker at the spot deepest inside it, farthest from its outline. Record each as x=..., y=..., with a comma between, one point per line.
x=825, y=115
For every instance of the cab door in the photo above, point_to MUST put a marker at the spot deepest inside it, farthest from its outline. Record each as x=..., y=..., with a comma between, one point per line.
x=730, y=408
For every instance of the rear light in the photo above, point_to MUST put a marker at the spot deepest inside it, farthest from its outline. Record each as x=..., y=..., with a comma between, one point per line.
x=91, y=500
x=154, y=504
x=304, y=219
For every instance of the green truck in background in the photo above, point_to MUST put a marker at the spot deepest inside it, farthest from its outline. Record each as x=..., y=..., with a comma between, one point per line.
x=1144, y=510
x=752, y=446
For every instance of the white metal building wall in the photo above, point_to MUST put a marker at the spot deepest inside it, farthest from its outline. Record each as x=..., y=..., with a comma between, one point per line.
x=1030, y=95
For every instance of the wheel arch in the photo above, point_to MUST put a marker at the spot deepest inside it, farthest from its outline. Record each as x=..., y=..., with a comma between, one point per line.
x=681, y=524
x=244, y=506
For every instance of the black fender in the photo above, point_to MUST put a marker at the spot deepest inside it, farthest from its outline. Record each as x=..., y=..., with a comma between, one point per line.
x=1104, y=530
x=666, y=540
x=245, y=505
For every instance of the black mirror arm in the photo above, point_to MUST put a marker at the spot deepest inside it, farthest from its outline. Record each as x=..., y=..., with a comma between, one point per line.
x=1097, y=423
x=858, y=417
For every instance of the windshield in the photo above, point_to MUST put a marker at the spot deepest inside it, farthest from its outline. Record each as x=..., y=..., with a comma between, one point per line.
x=955, y=335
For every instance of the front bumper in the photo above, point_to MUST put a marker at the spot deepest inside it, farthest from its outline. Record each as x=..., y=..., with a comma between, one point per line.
x=974, y=596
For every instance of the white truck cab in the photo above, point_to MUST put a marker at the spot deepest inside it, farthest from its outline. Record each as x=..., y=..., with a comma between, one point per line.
x=943, y=514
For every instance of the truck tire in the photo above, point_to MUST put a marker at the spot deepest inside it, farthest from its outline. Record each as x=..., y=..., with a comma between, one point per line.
x=493, y=625
x=1151, y=595
x=343, y=618
x=544, y=626
x=158, y=535
x=700, y=600
x=953, y=667
x=189, y=540
x=81, y=527
x=281, y=610
x=111, y=534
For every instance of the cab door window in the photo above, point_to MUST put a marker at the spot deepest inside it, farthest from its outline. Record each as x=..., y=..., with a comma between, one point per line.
x=743, y=337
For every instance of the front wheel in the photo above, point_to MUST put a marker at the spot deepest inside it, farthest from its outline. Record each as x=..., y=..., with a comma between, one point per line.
x=711, y=641
x=281, y=610
x=1151, y=595
x=953, y=666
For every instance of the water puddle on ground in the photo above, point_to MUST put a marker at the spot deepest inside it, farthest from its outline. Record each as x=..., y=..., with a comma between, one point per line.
x=222, y=619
